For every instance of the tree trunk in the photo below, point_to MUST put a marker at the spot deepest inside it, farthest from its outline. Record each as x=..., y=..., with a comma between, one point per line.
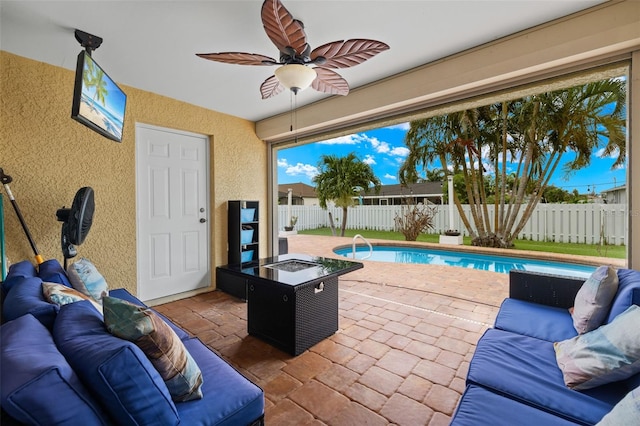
x=344, y=221
x=332, y=225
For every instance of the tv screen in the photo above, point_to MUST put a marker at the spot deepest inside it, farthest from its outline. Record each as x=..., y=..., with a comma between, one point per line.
x=98, y=102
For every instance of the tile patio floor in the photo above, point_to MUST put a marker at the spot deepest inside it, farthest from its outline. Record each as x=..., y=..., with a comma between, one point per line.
x=406, y=336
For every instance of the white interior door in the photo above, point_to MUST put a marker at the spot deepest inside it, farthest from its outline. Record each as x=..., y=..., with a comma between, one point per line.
x=172, y=208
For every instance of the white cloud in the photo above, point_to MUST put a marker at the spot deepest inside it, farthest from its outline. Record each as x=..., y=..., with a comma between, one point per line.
x=379, y=147
x=402, y=126
x=344, y=140
x=282, y=162
x=299, y=169
x=399, y=151
x=369, y=159
x=614, y=154
x=390, y=176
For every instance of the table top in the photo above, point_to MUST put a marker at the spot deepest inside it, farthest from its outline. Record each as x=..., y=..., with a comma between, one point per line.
x=294, y=269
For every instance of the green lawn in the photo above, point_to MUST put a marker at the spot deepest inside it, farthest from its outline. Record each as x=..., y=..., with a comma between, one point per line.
x=619, y=252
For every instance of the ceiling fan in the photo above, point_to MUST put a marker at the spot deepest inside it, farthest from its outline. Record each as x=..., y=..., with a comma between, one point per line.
x=297, y=58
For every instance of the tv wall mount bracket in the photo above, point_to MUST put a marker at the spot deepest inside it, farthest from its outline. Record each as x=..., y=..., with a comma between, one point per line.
x=88, y=41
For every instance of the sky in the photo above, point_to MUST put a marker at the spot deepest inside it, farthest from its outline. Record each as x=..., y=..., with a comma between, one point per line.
x=384, y=150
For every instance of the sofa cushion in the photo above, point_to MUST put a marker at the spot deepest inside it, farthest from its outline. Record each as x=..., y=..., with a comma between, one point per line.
x=160, y=344
x=51, y=271
x=593, y=300
x=84, y=277
x=60, y=294
x=628, y=293
x=626, y=412
x=26, y=298
x=16, y=273
x=123, y=294
x=114, y=369
x=533, y=319
x=525, y=369
x=607, y=354
x=479, y=406
x=38, y=385
x=228, y=397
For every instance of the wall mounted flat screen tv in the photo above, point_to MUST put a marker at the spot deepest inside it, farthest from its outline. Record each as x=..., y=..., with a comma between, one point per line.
x=98, y=102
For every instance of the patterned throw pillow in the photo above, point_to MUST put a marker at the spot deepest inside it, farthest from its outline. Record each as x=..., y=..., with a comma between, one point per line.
x=626, y=412
x=604, y=355
x=159, y=342
x=86, y=279
x=60, y=294
x=594, y=298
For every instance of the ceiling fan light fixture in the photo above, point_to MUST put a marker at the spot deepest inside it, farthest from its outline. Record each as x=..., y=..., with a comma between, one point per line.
x=295, y=77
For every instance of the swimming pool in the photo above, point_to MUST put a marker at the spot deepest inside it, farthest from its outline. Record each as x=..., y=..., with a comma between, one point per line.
x=485, y=262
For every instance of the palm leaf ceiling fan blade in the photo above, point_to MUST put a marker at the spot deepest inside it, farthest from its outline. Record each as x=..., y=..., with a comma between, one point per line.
x=271, y=87
x=288, y=35
x=331, y=82
x=282, y=29
x=347, y=53
x=239, y=58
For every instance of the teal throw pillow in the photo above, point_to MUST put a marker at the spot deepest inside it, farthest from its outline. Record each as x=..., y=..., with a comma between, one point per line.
x=163, y=347
x=604, y=355
x=594, y=298
x=86, y=279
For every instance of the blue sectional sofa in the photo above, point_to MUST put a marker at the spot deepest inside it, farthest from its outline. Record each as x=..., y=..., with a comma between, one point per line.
x=514, y=377
x=59, y=365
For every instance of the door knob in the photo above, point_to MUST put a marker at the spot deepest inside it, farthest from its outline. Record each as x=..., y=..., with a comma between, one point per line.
x=203, y=220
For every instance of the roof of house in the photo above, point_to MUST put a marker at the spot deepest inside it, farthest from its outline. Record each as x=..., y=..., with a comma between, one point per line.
x=298, y=190
x=615, y=188
x=397, y=190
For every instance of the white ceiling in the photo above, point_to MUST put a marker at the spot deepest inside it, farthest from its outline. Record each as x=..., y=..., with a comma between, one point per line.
x=151, y=45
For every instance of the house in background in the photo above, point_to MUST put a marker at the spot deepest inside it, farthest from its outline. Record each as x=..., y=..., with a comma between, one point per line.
x=301, y=194
x=615, y=195
x=393, y=195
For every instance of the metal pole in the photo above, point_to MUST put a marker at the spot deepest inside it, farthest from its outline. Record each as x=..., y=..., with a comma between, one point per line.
x=6, y=180
x=450, y=183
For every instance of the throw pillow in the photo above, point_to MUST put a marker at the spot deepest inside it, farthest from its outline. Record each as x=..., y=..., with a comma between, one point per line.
x=86, y=279
x=51, y=271
x=60, y=294
x=39, y=387
x=626, y=412
x=17, y=272
x=27, y=298
x=594, y=298
x=159, y=342
x=607, y=354
x=115, y=370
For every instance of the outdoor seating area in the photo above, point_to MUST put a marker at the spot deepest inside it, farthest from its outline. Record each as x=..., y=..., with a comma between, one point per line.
x=400, y=355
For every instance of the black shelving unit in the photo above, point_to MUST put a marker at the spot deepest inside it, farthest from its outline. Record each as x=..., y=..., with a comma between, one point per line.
x=243, y=231
x=243, y=244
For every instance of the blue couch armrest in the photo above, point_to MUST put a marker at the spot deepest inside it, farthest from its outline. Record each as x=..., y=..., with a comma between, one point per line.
x=545, y=289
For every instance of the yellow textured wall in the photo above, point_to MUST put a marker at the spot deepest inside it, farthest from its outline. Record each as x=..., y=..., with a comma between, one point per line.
x=50, y=156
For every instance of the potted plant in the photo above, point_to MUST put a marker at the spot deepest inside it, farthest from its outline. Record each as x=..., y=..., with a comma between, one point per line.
x=451, y=232
x=292, y=223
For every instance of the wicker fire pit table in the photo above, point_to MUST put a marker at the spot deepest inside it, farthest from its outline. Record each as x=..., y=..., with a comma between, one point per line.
x=293, y=298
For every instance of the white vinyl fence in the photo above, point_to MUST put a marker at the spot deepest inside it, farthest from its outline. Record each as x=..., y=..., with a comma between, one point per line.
x=565, y=223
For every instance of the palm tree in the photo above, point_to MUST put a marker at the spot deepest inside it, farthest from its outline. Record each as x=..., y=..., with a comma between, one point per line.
x=94, y=77
x=532, y=134
x=340, y=180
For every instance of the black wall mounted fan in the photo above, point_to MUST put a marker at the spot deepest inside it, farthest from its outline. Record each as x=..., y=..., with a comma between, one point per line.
x=76, y=222
x=288, y=35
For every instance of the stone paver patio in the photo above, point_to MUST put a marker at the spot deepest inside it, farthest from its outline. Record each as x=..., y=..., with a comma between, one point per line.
x=406, y=336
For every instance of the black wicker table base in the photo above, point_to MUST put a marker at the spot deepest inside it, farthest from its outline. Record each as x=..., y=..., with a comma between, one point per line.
x=292, y=300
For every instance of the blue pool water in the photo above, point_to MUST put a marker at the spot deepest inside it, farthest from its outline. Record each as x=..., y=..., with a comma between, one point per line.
x=485, y=262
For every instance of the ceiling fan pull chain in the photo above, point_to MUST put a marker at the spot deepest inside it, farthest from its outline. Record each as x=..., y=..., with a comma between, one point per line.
x=295, y=115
